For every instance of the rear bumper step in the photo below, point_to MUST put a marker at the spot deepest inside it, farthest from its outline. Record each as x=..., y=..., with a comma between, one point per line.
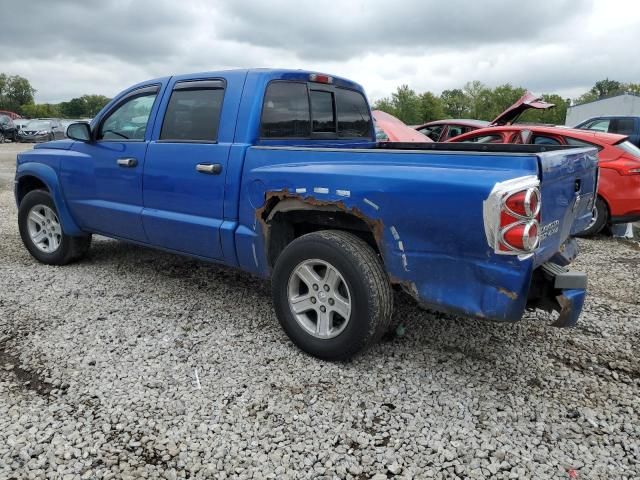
x=563, y=291
x=563, y=278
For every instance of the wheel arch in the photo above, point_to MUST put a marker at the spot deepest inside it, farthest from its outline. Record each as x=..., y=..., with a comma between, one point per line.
x=285, y=218
x=35, y=176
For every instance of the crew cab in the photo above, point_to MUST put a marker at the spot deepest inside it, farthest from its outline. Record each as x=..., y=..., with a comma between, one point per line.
x=278, y=173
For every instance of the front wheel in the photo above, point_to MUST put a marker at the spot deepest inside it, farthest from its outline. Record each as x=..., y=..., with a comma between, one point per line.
x=599, y=219
x=42, y=234
x=331, y=294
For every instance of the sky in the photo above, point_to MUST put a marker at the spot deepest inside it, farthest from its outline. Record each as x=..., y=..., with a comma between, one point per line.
x=69, y=48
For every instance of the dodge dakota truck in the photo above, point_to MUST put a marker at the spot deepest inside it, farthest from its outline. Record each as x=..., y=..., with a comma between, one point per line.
x=278, y=173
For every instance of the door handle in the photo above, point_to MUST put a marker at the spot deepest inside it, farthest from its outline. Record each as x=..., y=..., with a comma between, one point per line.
x=209, y=168
x=127, y=162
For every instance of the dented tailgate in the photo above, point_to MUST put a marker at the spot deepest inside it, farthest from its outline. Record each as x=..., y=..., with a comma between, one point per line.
x=568, y=181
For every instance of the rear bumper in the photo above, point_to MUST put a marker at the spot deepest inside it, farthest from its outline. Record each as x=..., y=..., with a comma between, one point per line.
x=556, y=288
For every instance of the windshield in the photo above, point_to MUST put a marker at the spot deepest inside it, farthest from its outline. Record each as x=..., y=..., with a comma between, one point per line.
x=630, y=148
x=4, y=119
x=38, y=125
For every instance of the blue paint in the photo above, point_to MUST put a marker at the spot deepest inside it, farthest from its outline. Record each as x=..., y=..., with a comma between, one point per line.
x=428, y=205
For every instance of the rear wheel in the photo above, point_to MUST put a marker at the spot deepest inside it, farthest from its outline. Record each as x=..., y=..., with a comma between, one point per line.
x=42, y=234
x=331, y=294
x=599, y=219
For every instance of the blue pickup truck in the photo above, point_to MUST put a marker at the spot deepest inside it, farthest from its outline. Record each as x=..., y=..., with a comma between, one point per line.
x=278, y=172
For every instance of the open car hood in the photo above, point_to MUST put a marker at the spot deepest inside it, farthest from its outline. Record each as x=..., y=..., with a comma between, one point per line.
x=527, y=101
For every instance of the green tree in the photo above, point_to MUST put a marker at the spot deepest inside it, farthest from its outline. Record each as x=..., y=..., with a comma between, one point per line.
x=479, y=97
x=553, y=116
x=501, y=98
x=384, y=104
x=39, y=110
x=606, y=87
x=406, y=103
x=14, y=92
x=430, y=107
x=94, y=104
x=84, y=106
x=455, y=103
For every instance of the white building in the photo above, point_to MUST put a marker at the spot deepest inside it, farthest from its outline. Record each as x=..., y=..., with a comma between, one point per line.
x=623, y=104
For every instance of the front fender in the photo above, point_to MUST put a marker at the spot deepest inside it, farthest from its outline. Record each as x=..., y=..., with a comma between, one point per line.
x=48, y=176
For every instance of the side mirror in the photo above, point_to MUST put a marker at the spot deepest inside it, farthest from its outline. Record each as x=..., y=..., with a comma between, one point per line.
x=79, y=131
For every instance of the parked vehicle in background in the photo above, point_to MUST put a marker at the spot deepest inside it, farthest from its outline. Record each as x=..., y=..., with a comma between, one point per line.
x=41, y=130
x=619, y=186
x=622, y=125
x=442, y=130
x=8, y=129
x=278, y=172
x=392, y=129
x=11, y=115
x=20, y=123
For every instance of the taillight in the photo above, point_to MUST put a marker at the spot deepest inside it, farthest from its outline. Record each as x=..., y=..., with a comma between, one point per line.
x=624, y=165
x=512, y=216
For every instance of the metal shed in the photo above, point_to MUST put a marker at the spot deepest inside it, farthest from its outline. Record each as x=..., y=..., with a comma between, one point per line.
x=623, y=104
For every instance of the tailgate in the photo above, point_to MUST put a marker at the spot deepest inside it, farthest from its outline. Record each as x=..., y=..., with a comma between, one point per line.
x=568, y=182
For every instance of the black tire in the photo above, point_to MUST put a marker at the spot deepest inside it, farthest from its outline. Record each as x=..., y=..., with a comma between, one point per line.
x=2, y=137
x=363, y=272
x=69, y=249
x=602, y=217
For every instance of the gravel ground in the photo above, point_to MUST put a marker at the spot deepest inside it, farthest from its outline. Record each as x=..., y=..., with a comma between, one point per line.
x=141, y=364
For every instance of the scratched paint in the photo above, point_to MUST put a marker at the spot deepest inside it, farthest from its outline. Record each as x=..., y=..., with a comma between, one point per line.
x=371, y=204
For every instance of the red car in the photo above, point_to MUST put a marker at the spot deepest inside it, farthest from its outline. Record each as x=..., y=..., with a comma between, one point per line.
x=619, y=185
x=392, y=129
x=443, y=130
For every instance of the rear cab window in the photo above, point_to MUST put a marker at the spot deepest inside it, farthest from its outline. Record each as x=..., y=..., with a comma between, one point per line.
x=300, y=110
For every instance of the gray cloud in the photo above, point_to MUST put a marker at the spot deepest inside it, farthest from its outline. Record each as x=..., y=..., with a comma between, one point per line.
x=320, y=30
x=127, y=30
x=67, y=48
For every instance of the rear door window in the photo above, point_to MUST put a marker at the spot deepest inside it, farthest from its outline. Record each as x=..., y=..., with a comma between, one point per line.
x=285, y=113
x=622, y=126
x=193, y=112
x=433, y=132
x=454, y=131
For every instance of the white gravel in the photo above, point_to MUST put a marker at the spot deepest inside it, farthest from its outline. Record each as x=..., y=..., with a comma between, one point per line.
x=98, y=379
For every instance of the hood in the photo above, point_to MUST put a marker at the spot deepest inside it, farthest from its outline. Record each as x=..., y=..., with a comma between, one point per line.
x=395, y=130
x=527, y=101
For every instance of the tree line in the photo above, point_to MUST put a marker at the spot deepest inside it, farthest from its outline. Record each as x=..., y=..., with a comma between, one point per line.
x=17, y=95
x=478, y=101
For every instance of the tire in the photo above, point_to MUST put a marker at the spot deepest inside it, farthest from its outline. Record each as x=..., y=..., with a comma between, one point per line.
x=359, y=278
x=2, y=137
x=601, y=217
x=60, y=247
